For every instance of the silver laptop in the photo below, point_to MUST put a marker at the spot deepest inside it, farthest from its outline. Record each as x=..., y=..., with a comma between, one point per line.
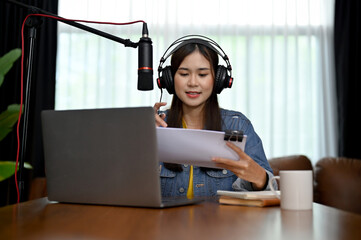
x=103, y=156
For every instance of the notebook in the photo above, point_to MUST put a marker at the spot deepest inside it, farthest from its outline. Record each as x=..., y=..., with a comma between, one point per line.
x=104, y=156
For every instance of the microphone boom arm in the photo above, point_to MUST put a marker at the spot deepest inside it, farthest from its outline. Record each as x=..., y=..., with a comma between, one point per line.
x=125, y=42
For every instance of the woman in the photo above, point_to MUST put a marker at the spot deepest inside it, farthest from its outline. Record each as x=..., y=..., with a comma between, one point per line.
x=195, y=106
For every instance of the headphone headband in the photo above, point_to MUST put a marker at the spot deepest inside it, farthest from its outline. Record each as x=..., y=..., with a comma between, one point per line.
x=203, y=40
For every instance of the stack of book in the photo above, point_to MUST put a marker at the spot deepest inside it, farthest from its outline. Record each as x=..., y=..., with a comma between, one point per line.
x=256, y=198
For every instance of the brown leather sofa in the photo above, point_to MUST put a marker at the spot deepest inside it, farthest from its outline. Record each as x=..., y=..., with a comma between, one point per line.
x=38, y=188
x=337, y=181
x=293, y=162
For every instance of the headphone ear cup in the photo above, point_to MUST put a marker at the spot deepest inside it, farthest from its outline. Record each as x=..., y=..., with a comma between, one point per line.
x=222, y=79
x=166, y=80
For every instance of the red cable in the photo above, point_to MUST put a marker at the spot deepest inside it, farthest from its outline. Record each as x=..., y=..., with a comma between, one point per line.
x=22, y=78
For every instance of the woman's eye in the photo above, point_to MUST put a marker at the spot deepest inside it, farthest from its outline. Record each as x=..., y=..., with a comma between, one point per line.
x=203, y=74
x=183, y=74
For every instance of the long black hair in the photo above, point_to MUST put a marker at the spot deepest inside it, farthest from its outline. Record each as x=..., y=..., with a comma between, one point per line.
x=212, y=116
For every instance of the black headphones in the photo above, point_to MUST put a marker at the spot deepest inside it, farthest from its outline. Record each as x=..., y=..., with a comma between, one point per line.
x=222, y=78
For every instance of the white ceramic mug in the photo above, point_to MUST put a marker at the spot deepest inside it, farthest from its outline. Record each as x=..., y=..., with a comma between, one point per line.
x=296, y=189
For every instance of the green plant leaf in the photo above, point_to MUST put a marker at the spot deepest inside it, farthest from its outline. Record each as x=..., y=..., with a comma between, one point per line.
x=7, y=169
x=7, y=61
x=7, y=120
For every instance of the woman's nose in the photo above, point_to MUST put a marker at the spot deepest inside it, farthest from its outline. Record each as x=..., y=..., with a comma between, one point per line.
x=192, y=81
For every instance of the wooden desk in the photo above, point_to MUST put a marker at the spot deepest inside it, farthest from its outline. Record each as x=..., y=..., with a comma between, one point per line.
x=40, y=219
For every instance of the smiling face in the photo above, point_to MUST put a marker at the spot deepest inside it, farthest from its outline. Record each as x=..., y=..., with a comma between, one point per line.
x=193, y=80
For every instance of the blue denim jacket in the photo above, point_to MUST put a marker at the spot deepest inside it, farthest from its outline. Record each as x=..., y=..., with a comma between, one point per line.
x=208, y=181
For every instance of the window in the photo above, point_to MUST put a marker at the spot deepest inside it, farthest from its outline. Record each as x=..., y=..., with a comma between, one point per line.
x=280, y=51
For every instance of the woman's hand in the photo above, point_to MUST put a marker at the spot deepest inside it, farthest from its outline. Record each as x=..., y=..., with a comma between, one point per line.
x=159, y=119
x=246, y=168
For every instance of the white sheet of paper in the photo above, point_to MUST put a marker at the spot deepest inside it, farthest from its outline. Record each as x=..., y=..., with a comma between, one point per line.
x=194, y=147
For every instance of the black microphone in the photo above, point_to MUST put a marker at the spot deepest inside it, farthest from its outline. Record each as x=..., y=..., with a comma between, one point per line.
x=145, y=61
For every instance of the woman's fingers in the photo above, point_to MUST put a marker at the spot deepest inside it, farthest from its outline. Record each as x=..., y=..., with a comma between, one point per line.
x=158, y=105
x=159, y=118
x=245, y=167
x=239, y=151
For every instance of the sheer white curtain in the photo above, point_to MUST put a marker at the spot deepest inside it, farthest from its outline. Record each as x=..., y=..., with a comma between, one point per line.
x=280, y=51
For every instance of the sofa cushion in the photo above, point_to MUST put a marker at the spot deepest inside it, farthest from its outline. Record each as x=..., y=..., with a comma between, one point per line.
x=293, y=162
x=338, y=183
